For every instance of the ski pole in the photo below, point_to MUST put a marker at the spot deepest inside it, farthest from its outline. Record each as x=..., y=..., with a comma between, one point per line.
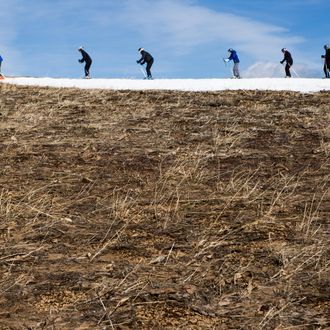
x=295, y=72
x=143, y=73
x=227, y=66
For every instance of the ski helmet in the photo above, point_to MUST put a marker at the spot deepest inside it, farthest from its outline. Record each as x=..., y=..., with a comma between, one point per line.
x=326, y=47
x=141, y=49
x=230, y=50
x=283, y=50
x=81, y=48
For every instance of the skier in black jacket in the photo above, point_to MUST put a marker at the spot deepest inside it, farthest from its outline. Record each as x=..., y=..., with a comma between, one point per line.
x=326, y=57
x=288, y=59
x=146, y=58
x=87, y=59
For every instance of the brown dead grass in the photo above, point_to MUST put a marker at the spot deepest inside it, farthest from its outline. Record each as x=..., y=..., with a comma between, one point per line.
x=163, y=210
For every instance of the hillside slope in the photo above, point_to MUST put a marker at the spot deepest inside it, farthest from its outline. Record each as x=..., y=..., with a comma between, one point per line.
x=163, y=210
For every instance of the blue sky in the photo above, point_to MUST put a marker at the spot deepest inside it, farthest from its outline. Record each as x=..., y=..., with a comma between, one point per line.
x=188, y=38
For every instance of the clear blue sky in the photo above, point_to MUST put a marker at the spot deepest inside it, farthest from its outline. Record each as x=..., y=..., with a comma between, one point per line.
x=188, y=38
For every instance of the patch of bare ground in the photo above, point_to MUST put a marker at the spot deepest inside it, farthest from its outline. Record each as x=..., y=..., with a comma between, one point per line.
x=163, y=210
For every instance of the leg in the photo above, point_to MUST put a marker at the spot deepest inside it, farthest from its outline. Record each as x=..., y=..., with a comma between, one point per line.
x=148, y=70
x=149, y=65
x=287, y=70
x=236, y=70
x=327, y=68
x=87, y=67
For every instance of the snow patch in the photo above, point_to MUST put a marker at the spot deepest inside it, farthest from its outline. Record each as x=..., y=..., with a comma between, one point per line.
x=275, y=84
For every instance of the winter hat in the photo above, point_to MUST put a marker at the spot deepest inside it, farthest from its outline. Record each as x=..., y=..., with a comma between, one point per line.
x=81, y=48
x=230, y=50
x=141, y=49
x=283, y=50
x=326, y=47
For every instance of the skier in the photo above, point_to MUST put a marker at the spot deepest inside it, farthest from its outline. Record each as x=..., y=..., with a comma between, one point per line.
x=289, y=61
x=233, y=57
x=87, y=59
x=1, y=60
x=146, y=58
x=326, y=58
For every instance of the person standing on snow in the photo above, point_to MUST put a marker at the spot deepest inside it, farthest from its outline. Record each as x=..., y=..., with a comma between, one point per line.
x=289, y=61
x=146, y=58
x=326, y=58
x=87, y=59
x=1, y=60
x=232, y=56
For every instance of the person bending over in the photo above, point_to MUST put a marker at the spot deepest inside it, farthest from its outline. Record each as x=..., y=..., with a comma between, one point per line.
x=146, y=58
x=87, y=59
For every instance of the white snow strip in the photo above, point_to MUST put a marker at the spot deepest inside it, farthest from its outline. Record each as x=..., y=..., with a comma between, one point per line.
x=274, y=84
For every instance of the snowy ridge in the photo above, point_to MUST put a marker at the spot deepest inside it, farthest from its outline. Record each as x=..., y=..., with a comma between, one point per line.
x=274, y=84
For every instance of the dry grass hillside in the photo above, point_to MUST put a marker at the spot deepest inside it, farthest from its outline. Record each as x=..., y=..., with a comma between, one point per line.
x=164, y=210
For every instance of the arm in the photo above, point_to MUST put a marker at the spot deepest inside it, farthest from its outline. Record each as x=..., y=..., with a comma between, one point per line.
x=141, y=60
x=84, y=57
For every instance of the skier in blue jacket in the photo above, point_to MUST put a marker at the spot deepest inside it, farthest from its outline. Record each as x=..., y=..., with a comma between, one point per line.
x=232, y=56
x=1, y=60
x=326, y=58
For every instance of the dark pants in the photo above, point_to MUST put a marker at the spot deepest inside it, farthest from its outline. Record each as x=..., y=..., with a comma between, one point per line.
x=287, y=69
x=326, y=69
x=87, y=67
x=149, y=65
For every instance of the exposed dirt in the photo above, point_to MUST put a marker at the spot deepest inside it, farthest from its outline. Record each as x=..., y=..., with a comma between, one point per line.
x=164, y=210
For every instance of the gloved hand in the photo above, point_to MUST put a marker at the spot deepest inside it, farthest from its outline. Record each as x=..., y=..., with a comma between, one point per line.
x=322, y=56
x=226, y=60
x=137, y=62
x=80, y=61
